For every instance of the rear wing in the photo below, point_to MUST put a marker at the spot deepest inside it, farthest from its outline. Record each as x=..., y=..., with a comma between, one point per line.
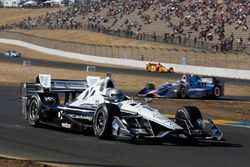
x=44, y=84
x=211, y=80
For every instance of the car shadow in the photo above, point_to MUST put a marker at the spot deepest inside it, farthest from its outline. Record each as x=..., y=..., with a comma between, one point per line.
x=174, y=141
x=167, y=141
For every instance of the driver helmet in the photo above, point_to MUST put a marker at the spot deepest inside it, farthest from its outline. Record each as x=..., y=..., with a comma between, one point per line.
x=184, y=78
x=115, y=94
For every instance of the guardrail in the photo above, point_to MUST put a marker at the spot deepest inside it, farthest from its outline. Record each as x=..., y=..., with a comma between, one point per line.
x=156, y=54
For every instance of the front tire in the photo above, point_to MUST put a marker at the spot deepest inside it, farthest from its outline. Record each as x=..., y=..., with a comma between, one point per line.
x=34, y=109
x=190, y=114
x=182, y=93
x=103, y=120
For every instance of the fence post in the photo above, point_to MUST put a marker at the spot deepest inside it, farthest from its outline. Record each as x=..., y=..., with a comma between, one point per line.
x=106, y=48
x=101, y=51
x=205, y=57
x=85, y=48
x=248, y=53
x=226, y=60
x=238, y=61
x=144, y=52
x=161, y=54
x=215, y=60
x=195, y=59
x=154, y=56
x=112, y=51
x=177, y=55
x=95, y=50
x=118, y=52
x=184, y=57
x=92, y=49
x=169, y=53
x=130, y=51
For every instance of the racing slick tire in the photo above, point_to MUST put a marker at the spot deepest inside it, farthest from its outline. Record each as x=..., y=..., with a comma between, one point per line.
x=34, y=109
x=150, y=86
x=182, y=93
x=216, y=92
x=171, y=70
x=103, y=120
x=187, y=117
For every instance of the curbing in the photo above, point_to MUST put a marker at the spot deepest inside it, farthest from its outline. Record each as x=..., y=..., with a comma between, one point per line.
x=211, y=71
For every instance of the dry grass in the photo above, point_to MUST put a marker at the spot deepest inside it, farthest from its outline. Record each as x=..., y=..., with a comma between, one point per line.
x=89, y=38
x=11, y=15
x=21, y=163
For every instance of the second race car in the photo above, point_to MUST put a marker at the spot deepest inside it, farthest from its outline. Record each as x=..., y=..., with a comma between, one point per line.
x=12, y=53
x=190, y=86
x=158, y=67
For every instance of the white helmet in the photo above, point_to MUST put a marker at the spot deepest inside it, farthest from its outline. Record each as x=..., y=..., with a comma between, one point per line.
x=115, y=94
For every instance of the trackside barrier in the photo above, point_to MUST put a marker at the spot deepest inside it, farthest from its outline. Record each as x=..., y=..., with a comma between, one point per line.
x=211, y=71
x=91, y=68
x=26, y=63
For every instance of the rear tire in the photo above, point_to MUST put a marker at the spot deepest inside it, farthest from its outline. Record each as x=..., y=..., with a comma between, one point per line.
x=171, y=70
x=216, y=92
x=103, y=120
x=34, y=109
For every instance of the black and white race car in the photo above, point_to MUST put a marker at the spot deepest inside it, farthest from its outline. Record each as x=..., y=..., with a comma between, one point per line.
x=96, y=105
x=12, y=53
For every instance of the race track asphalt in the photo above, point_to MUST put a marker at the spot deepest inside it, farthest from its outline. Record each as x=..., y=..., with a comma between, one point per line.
x=18, y=138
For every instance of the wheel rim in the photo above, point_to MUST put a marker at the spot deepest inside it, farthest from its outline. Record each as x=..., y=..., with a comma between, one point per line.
x=33, y=111
x=100, y=121
x=217, y=91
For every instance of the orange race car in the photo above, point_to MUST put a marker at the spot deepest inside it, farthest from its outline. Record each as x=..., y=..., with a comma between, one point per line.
x=157, y=67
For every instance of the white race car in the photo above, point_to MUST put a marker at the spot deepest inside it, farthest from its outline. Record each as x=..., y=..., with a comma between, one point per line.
x=12, y=53
x=96, y=105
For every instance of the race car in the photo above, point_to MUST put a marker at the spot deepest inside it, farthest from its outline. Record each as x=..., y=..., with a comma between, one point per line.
x=12, y=53
x=153, y=67
x=190, y=86
x=96, y=105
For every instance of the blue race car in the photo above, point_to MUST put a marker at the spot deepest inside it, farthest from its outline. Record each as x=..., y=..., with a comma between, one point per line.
x=190, y=86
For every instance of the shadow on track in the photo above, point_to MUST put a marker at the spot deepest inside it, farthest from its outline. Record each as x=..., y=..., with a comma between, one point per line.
x=167, y=141
x=174, y=141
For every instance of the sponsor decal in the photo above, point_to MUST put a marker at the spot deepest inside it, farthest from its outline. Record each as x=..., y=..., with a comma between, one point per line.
x=66, y=125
